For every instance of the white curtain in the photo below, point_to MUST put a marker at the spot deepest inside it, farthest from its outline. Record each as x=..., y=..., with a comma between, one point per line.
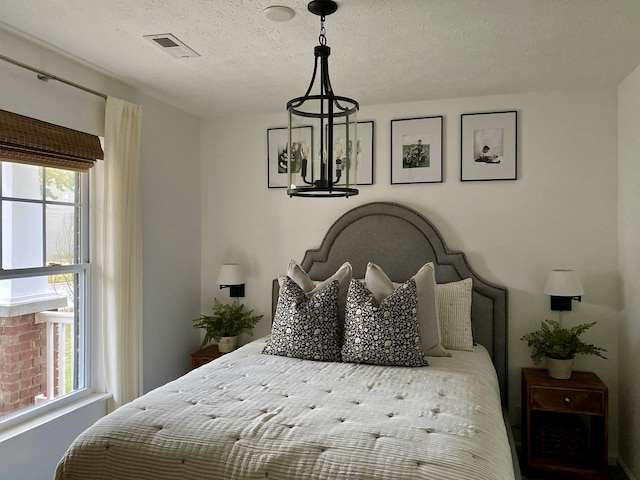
x=117, y=253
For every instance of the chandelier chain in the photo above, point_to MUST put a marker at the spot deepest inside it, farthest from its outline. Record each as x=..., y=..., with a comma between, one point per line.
x=322, y=38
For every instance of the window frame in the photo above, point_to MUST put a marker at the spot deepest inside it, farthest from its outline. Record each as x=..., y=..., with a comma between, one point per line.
x=82, y=303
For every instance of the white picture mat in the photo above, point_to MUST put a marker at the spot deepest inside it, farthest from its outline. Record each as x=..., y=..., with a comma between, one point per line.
x=429, y=130
x=471, y=125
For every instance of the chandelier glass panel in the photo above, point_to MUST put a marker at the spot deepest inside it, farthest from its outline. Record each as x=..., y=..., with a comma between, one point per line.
x=322, y=130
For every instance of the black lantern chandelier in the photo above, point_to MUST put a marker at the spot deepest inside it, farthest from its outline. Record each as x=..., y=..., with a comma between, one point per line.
x=322, y=147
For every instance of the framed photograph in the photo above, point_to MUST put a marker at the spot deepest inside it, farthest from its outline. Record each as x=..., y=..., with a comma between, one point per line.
x=364, y=150
x=416, y=150
x=278, y=155
x=488, y=149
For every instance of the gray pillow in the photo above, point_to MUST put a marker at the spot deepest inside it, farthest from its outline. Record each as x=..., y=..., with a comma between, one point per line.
x=385, y=333
x=304, y=326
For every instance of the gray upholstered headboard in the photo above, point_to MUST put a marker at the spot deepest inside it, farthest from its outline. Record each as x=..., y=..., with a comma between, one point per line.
x=401, y=241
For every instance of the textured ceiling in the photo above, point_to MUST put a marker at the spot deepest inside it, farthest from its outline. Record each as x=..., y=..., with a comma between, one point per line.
x=383, y=51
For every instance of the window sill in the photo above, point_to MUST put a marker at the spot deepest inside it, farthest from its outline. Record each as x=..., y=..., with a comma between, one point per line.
x=38, y=420
x=38, y=303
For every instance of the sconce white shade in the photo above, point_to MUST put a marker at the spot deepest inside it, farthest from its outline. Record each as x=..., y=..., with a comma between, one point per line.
x=230, y=274
x=563, y=283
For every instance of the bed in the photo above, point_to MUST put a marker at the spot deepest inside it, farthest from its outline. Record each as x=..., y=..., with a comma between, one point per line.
x=249, y=415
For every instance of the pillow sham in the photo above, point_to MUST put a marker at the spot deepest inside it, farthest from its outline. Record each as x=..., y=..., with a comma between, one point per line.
x=306, y=326
x=385, y=333
x=454, y=310
x=381, y=286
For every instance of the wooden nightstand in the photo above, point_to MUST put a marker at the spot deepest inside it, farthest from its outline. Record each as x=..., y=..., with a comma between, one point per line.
x=564, y=424
x=205, y=355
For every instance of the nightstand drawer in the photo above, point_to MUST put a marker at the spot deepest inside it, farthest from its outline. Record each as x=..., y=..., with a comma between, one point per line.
x=568, y=400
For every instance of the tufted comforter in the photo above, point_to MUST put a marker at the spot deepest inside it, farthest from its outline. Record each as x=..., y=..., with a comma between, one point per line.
x=252, y=416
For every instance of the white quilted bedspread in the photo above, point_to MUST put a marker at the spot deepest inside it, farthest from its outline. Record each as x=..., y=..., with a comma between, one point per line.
x=254, y=416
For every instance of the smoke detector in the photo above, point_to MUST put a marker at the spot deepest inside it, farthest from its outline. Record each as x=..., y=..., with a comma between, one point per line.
x=279, y=13
x=170, y=44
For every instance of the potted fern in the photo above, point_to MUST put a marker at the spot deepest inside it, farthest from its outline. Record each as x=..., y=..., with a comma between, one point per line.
x=559, y=346
x=225, y=324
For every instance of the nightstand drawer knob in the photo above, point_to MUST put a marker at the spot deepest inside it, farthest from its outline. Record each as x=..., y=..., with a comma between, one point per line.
x=566, y=400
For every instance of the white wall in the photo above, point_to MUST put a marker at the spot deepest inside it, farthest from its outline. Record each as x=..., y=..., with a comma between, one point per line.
x=629, y=267
x=170, y=156
x=170, y=176
x=561, y=212
x=34, y=454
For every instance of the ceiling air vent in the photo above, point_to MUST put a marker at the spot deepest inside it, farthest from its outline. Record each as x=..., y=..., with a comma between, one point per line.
x=170, y=44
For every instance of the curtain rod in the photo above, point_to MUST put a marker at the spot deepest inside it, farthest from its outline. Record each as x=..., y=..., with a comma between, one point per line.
x=44, y=76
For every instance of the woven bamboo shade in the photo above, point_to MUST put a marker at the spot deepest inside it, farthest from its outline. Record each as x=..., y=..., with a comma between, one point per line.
x=27, y=140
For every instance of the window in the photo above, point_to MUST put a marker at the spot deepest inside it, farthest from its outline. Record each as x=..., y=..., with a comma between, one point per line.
x=44, y=290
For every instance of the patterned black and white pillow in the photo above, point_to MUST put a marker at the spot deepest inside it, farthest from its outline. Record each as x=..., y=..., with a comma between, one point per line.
x=304, y=326
x=383, y=334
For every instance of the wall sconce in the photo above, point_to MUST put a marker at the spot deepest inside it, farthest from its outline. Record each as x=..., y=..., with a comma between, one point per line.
x=563, y=286
x=231, y=277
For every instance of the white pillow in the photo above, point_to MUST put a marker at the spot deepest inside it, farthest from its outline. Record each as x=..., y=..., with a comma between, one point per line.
x=311, y=287
x=381, y=286
x=454, y=312
x=298, y=275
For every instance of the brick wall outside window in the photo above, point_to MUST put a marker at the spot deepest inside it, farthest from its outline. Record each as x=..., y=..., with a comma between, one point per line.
x=23, y=362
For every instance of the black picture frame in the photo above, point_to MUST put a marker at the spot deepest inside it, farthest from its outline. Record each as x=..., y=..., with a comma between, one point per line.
x=277, y=146
x=489, y=146
x=365, y=148
x=417, y=146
